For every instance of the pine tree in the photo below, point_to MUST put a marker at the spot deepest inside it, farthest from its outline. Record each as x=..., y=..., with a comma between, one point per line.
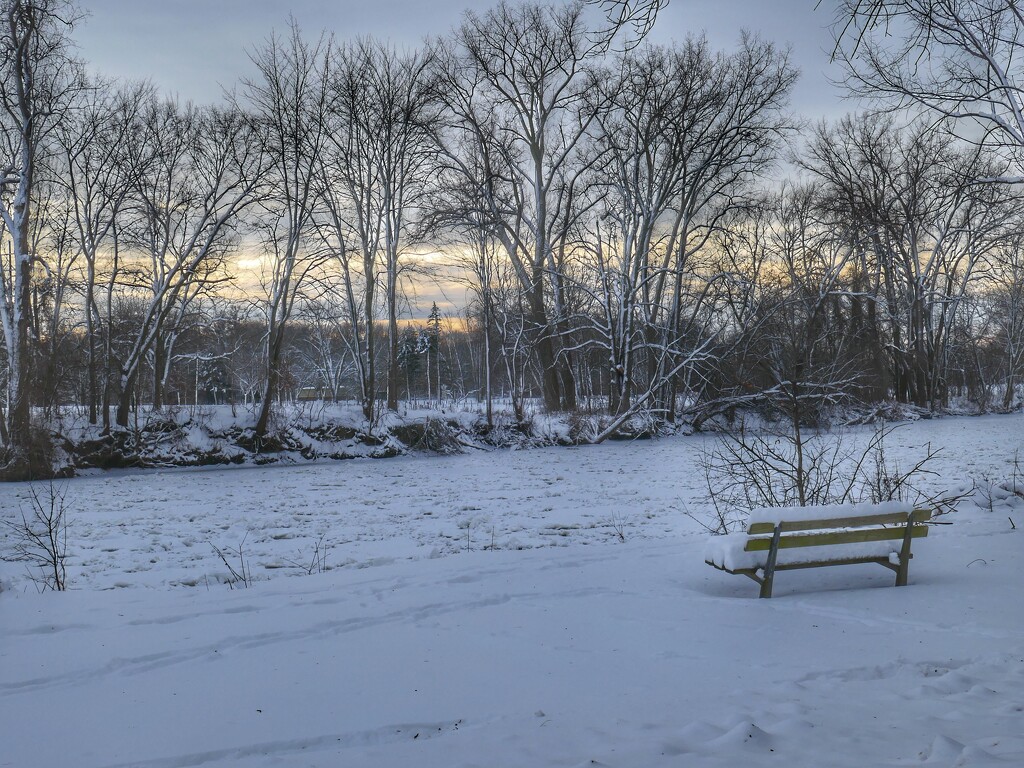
x=434, y=346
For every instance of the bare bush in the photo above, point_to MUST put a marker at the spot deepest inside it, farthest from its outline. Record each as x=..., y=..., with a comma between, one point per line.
x=778, y=467
x=40, y=538
x=317, y=562
x=240, y=574
x=775, y=467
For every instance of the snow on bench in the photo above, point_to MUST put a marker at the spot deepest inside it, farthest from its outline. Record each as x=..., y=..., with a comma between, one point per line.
x=786, y=538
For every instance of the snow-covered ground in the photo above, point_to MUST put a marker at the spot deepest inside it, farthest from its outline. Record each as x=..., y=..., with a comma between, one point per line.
x=545, y=607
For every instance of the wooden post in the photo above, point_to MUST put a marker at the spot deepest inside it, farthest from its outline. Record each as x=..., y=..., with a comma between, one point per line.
x=902, y=572
x=769, y=569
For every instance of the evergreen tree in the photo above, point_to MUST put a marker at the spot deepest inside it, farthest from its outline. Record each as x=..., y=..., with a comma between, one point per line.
x=433, y=346
x=409, y=358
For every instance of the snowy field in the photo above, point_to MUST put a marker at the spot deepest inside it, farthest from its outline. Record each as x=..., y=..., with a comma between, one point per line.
x=546, y=607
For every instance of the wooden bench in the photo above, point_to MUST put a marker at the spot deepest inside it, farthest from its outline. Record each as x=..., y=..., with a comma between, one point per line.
x=864, y=534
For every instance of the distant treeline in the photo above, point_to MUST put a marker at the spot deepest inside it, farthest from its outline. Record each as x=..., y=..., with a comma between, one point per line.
x=616, y=209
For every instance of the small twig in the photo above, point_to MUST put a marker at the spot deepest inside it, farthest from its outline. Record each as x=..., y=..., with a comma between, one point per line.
x=242, y=575
x=618, y=526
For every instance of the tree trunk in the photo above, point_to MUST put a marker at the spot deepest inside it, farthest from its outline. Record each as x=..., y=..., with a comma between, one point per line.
x=124, y=401
x=275, y=341
x=392, y=340
x=20, y=414
x=90, y=338
x=159, y=362
x=544, y=346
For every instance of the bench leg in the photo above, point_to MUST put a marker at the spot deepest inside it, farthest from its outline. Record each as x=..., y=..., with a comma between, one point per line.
x=769, y=568
x=903, y=571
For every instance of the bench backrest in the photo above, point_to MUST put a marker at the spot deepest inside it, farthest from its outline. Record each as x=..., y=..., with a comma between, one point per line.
x=839, y=530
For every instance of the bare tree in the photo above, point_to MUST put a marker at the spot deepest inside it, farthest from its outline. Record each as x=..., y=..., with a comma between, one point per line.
x=100, y=174
x=681, y=136
x=326, y=343
x=726, y=149
x=382, y=117
x=38, y=78
x=54, y=327
x=516, y=88
x=355, y=284
x=959, y=60
x=923, y=229
x=1007, y=314
x=290, y=101
x=477, y=256
x=206, y=168
x=40, y=538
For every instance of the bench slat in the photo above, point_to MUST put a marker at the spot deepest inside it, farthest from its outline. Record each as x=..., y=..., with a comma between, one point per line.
x=752, y=572
x=836, y=537
x=919, y=516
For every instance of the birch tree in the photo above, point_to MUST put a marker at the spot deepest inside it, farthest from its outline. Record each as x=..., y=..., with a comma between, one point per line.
x=38, y=78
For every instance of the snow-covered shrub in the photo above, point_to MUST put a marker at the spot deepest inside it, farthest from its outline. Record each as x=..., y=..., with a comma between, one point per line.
x=550, y=429
x=584, y=427
x=431, y=434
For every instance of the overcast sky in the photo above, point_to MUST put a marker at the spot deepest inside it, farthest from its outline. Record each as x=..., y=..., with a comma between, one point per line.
x=193, y=47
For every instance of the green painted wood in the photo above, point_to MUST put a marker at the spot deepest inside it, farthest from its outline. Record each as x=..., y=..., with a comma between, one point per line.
x=836, y=537
x=840, y=561
x=897, y=518
x=812, y=564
